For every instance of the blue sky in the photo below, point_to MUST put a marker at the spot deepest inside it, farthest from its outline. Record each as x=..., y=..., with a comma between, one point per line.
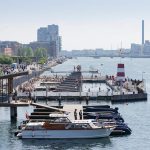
x=83, y=24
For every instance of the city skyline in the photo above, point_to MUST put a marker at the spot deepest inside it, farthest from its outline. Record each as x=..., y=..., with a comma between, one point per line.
x=86, y=24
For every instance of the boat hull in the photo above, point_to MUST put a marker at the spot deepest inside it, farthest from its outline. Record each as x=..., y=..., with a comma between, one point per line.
x=66, y=134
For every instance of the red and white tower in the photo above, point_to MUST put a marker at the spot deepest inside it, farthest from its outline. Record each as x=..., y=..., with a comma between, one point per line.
x=120, y=72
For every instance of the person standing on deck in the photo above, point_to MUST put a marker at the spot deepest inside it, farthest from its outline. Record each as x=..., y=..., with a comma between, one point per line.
x=75, y=114
x=80, y=114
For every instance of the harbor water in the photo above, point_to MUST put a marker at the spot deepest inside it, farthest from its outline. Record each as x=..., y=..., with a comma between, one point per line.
x=135, y=114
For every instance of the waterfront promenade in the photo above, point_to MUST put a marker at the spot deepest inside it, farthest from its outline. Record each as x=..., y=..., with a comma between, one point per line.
x=11, y=78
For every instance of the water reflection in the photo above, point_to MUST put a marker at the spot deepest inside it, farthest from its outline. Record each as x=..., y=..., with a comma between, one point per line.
x=79, y=144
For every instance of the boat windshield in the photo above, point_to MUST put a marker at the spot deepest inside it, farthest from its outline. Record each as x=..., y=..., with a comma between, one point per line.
x=78, y=126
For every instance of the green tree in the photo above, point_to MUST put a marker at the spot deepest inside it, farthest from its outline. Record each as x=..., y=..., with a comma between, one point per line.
x=42, y=60
x=25, y=54
x=29, y=52
x=5, y=59
x=21, y=52
x=40, y=53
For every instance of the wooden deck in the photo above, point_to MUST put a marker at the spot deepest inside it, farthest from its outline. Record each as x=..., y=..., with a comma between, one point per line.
x=70, y=108
x=20, y=103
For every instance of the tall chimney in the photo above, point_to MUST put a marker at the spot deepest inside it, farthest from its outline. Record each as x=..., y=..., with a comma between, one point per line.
x=142, y=32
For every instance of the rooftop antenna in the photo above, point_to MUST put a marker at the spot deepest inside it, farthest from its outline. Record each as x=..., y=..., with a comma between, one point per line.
x=142, y=45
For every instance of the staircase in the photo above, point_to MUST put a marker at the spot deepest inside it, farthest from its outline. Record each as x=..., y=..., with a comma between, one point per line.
x=71, y=84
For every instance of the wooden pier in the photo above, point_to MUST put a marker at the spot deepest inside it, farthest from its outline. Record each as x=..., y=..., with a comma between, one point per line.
x=8, y=79
x=71, y=89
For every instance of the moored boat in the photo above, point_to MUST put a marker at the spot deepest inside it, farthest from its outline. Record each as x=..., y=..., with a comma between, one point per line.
x=60, y=127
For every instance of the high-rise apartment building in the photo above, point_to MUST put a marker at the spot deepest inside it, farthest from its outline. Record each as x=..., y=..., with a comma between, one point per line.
x=50, y=34
x=42, y=34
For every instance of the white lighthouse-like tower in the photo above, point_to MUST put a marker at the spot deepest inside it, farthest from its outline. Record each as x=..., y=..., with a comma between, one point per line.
x=120, y=72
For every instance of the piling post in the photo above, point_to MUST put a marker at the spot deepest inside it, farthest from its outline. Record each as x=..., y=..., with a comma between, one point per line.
x=13, y=113
x=13, y=109
x=10, y=89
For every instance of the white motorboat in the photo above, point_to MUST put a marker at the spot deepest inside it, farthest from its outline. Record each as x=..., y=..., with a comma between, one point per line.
x=60, y=127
